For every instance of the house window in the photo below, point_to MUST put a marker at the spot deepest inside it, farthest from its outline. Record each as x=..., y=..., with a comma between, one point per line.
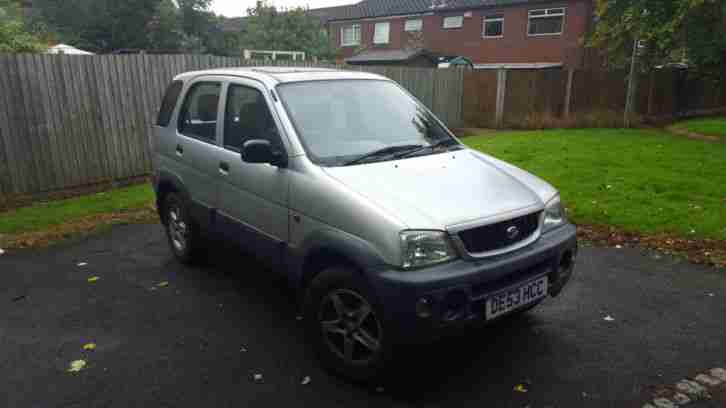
x=546, y=21
x=413, y=25
x=493, y=26
x=350, y=35
x=453, y=22
x=381, y=33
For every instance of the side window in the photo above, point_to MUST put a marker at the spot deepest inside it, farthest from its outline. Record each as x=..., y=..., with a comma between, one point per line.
x=198, y=116
x=247, y=117
x=168, y=103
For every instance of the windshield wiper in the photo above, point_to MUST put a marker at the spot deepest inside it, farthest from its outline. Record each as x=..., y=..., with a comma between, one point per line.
x=383, y=152
x=433, y=147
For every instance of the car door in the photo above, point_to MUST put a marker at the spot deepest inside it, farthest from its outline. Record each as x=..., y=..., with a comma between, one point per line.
x=253, y=197
x=197, y=145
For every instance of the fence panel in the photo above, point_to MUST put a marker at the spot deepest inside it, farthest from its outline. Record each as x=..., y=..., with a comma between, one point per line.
x=479, y=98
x=534, y=96
x=594, y=91
x=448, y=87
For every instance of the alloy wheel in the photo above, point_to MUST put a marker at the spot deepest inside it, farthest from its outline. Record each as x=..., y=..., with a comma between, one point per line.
x=350, y=327
x=178, y=229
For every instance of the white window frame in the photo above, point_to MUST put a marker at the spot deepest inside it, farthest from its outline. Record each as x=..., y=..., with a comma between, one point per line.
x=387, y=25
x=418, y=25
x=491, y=19
x=355, y=41
x=449, y=18
x=548, y=13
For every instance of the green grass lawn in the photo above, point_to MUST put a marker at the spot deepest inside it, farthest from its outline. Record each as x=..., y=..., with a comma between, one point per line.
x=706, y=126
x=639, y=180
x=42, y=216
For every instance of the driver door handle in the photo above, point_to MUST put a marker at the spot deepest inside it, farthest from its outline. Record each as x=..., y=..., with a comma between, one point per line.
x=223, y=168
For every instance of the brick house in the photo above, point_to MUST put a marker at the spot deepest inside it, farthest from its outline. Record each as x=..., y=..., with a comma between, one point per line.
x=543, y=33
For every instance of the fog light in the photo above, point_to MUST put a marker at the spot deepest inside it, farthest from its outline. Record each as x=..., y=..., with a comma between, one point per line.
x=424, y=308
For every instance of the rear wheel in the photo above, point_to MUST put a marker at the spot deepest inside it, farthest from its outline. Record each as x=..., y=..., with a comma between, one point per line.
x=346, y=325
x=183, y=236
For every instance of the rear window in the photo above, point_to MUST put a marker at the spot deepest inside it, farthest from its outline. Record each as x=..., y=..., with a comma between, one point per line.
x=168, y=103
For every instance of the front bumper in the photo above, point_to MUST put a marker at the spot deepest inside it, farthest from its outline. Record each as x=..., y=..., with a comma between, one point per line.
x=456, y=292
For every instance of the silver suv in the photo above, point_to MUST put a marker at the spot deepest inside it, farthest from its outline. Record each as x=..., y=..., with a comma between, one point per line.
x=391, y=229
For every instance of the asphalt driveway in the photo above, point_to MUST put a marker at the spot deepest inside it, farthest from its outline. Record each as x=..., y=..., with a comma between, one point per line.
x=167, y=335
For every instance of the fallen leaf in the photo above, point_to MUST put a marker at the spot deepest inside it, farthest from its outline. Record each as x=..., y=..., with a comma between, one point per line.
x=76, y=366
x=257, y=378
x=609, y=318
x=93, y=279
x=520, y=388
x=162, y=284
x=305, y=381
x=82, y=264
x=89, y=346
x=243, y=349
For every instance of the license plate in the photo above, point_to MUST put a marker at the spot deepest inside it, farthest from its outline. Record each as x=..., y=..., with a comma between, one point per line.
x=510, y=299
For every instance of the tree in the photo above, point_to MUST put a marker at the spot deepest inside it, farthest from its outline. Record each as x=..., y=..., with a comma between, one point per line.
x=165, y=29
x=286, y=30
x=672, y=30
x=99, y=25
x=14, y=33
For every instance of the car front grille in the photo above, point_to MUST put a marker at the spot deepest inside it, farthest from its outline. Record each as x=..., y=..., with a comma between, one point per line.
x=497, y=236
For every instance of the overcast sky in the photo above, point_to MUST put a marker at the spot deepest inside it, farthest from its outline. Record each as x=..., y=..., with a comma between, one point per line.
x=235, y=8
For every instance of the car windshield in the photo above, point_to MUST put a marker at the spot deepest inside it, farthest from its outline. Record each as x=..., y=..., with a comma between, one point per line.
x=349, y=121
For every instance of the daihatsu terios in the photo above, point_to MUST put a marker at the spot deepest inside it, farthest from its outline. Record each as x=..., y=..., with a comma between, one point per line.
x=390, y=228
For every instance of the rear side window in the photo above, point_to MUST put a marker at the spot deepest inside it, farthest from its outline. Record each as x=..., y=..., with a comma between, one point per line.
x=198, y=116
x=168, y=103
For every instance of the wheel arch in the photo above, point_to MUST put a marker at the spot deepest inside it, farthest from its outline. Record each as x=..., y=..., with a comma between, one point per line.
x=330, y=247
x=169, y=183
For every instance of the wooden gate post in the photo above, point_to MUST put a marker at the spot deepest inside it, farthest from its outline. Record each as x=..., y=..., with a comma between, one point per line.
x=568, y=92
x=501, y=93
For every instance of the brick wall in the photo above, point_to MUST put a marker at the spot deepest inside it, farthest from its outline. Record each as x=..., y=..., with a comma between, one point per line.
x=515, y=46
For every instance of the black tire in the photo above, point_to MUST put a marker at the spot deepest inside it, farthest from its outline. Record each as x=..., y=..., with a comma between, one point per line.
x=182, y=233
x=330, y=334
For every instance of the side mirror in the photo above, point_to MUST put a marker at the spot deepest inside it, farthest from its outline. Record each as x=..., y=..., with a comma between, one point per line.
x=261, y=151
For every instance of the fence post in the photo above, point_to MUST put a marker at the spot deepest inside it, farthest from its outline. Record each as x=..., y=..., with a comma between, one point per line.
x=568, y=92
x=501, y=93
x=632, y=88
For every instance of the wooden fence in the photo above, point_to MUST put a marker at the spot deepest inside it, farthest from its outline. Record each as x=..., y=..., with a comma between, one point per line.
x=69, y=121
x=562, y=98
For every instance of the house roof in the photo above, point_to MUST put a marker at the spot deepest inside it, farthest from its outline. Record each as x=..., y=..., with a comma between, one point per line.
x=386, y=55
x=379, y=8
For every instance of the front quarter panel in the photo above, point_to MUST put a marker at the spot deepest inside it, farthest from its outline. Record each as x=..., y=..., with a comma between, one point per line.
x=321, y=205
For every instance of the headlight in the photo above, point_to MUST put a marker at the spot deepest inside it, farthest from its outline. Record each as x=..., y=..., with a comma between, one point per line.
x=421, y=248
x=554, y=215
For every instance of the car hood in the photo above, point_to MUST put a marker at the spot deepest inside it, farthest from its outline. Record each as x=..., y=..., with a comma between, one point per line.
x=442, y=190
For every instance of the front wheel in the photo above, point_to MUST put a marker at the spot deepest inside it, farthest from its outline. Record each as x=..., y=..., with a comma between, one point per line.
x=346, y=325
